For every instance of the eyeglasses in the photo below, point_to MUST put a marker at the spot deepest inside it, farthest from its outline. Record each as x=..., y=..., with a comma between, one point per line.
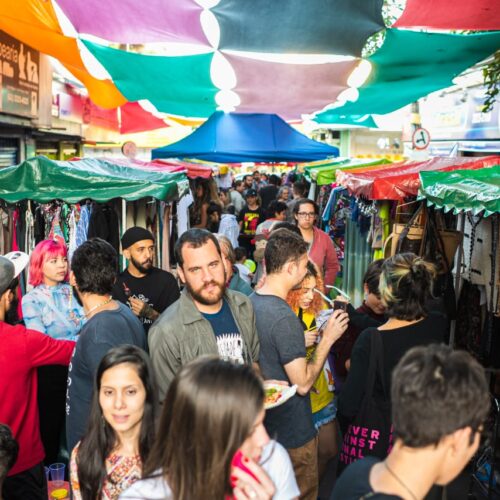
x=306, y=215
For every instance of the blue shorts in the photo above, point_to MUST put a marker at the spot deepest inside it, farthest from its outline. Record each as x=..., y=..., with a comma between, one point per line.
x=325, y=415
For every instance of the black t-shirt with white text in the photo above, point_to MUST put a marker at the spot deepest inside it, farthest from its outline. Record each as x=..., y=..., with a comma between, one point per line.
x=158, y=289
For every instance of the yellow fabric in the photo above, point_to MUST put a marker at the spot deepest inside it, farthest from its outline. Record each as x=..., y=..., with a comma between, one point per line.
x=323, y=396
x=34, y=22
x=385, y=215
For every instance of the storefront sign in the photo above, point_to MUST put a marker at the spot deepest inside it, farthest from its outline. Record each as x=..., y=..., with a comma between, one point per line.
x=19, y=77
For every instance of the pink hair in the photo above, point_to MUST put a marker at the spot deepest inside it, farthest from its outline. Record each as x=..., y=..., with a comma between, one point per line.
x=45, y=250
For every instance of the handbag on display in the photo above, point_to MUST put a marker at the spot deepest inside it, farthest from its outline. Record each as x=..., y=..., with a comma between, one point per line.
x=370, y=432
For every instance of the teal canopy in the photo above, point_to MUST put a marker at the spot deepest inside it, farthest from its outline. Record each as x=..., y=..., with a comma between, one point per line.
x=463, y=190
x=43, y=180
x=412, y=64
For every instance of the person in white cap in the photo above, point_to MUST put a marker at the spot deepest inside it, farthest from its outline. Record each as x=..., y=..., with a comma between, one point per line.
x=22, y=351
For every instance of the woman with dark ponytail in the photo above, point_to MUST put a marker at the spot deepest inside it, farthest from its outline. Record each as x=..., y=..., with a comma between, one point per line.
x=405, y=288
x=121, y=427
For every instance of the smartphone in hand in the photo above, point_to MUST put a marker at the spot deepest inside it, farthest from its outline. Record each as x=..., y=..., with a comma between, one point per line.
x=339, y=304
x=237, y=462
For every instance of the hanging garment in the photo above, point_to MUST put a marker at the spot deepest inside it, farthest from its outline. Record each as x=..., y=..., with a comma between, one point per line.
x=103, y=224
x=83, y=224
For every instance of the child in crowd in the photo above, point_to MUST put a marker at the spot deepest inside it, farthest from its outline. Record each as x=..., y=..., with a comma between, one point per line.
x=241, y=257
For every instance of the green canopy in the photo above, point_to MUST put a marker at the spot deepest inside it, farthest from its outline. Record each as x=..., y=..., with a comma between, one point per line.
x=179, y=85
x=325, y=174
x=412, y=64
x=333, y=118
x=463, y=190
x=43, y=180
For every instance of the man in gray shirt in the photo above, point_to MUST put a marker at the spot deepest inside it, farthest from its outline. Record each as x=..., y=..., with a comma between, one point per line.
x=283, y=354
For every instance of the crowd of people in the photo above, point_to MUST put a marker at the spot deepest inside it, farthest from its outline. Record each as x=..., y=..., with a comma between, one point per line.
x=152, y=386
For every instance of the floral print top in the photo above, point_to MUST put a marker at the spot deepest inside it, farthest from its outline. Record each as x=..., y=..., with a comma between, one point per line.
x=122, y=472
x=53, y=310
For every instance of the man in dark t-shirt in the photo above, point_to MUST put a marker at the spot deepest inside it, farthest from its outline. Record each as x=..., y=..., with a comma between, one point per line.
x=147, y=290
x=110, y=324
x=283, y=354
x=249, y=218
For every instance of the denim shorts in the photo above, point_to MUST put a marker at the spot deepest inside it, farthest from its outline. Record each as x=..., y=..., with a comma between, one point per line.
x=325, y=415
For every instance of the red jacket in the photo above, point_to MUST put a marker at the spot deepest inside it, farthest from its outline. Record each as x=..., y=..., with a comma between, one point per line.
x=22, y=351
x=323, y=254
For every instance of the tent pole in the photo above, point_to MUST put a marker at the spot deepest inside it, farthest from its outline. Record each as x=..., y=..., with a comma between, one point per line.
x=124, y=228
x=458, y=277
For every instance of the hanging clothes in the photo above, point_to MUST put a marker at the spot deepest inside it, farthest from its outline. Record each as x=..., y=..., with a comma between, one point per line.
x=104, y=224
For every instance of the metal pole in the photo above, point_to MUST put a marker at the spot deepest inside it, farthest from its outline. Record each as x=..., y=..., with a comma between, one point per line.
x=124, y=228
x=458, y=277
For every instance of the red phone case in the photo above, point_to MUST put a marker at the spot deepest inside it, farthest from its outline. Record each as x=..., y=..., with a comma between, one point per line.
x=238, y=462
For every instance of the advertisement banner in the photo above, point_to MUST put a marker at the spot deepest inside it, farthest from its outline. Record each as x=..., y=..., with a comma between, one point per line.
x=19, y=77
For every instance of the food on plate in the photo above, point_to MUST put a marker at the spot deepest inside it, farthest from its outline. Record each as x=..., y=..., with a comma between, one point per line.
x=272, y=395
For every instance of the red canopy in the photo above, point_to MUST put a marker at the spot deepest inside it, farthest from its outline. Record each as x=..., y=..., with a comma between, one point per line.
x=396, y=182
x=134, y=118
x=480, y=15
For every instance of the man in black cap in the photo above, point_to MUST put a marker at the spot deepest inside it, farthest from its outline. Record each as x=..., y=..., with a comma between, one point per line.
x=146, y=289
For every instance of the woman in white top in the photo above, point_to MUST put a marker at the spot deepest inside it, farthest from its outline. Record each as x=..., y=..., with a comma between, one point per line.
x=214, y=411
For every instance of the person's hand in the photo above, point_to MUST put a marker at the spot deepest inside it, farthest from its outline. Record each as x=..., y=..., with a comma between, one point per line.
x=137, y=305
x=335, y=326
x=275, y=382
x=248, y=488
x=311, y=338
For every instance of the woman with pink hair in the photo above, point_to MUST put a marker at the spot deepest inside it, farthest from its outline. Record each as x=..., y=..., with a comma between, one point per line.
x=51, y=308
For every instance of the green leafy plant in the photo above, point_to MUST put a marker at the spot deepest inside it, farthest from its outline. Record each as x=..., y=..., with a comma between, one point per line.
x=491, y=76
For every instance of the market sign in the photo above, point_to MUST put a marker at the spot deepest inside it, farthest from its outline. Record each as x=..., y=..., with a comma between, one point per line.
x=19, y=77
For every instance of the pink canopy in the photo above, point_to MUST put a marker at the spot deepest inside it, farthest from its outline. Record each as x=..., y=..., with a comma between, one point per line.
x=399, y=181
x=132, y=21
x=290, y=89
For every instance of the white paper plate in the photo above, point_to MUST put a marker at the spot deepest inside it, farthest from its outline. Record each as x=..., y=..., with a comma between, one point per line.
x=286, y=393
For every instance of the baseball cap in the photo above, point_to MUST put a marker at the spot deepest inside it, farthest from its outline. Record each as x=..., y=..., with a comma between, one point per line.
x=11, y=266
x=250, y=192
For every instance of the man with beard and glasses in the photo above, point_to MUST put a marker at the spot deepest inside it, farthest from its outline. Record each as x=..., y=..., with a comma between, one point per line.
x=146, y=289
x=22, y=351
x=283, y=354
x=208, y=318
x=109, y=324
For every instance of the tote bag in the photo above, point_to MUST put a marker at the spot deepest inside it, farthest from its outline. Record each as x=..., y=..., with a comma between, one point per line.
x=369, y=434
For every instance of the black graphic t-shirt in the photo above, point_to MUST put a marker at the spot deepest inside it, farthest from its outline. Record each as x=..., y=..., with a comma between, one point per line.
x=158, y=289
x=229, y=342
x=251, y=219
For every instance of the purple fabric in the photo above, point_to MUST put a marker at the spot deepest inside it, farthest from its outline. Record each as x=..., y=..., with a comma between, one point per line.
x=287, y=90
x=134, y=21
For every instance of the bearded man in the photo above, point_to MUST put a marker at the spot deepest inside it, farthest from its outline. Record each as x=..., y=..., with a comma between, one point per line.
x=146, y=289
x=208, y=318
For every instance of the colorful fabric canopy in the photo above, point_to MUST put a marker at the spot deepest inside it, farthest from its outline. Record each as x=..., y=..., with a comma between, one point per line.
x=326, y=174
x=35, y=23
x=333, y=118
x=239, y=137
x=399, y=181
x=480, y=15
x=288, y=90
x=134, y=118
x=43, y=180
x=428, y=62
x=463, y=190
x=298, y=26
x=178, y=85
x=130, y=21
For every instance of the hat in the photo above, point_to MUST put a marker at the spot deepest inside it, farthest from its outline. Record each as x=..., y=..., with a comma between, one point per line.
x=11, y=266
x=250, y=192
x=135, y=234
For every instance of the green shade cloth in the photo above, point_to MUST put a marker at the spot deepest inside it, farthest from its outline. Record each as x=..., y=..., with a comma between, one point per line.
x=412, y=64
x=463, y=190
x=325, y=174
x=333, y=118
x=43, y=180
x=179, y=85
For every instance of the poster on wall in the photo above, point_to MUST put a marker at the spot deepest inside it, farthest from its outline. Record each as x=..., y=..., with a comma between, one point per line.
x=19, y=77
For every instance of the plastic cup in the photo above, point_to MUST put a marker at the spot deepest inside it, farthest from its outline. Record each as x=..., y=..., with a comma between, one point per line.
x=57, y=474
